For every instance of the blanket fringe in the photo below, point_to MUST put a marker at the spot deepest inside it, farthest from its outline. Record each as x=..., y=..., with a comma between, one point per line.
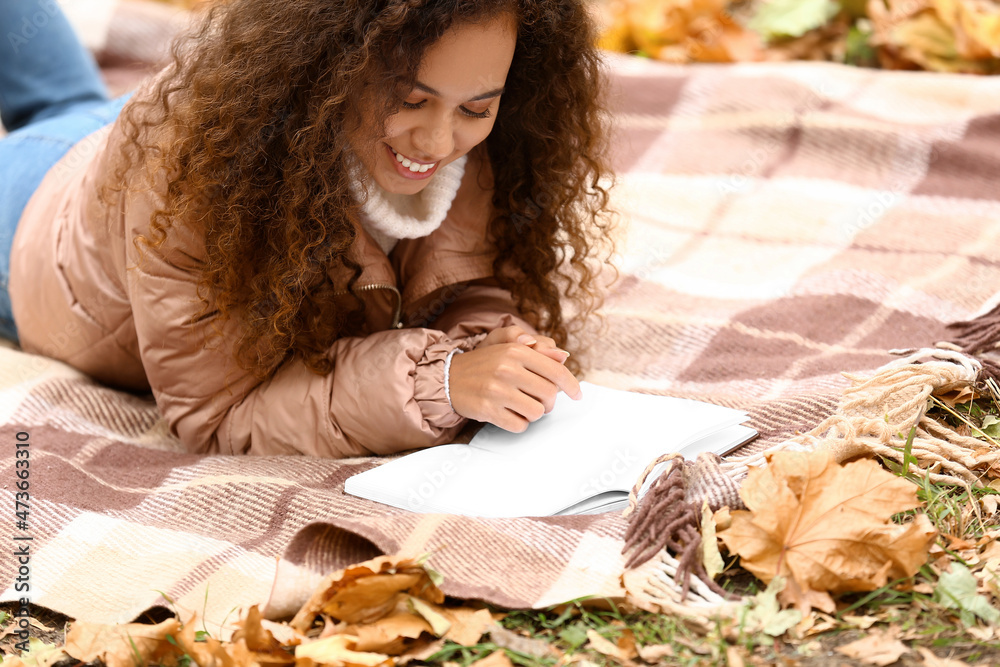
x=874, y=418
x=666, y=521
x=979, y=334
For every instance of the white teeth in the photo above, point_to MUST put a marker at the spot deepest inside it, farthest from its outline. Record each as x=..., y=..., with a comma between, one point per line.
x=412, y=166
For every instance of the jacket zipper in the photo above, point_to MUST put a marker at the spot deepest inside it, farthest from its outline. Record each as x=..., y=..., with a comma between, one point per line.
x=396, y=323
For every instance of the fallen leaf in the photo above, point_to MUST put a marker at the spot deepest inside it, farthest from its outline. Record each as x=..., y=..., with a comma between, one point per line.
x=878, y=648
x=931, y=660
x=723, y=518
x=680, y=31
x=467, y=625
x=390, y=634
x=610, y=649
x=956, y=589
x=208, y=652
x=439, y=624
x=504, y=638
x=791, y=18
x=764, y=614
x=860, y=622
x=339, y=649
x=710, y=555
x=734, y=656
x=259, y=639
x=121, y=645
x=936, y=35
x=655, y=652
x=827, y=527
x=420, y=651
x=39, y=654
x=366, y=592
x=813, y=623
x=990, y=505
x=38, y=624
x=495, y=659
x=953, y=397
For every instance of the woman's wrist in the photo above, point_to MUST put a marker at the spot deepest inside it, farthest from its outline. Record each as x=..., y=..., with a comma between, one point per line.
x=447, y=373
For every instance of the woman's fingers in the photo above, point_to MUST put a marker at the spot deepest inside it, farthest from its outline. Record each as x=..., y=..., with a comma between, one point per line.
x=503, y=335
x=516, y=334
x=509, y=420
x=508, y=385
x=555, y=373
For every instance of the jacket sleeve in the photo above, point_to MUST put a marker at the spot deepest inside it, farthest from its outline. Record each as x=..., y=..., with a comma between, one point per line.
x=385, y=393
x=476, y=308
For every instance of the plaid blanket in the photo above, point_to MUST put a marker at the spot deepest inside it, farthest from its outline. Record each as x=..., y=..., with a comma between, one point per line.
x=786, y=223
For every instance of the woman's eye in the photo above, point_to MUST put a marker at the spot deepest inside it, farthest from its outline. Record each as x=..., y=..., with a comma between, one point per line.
x=468, y=112
x=475, y=114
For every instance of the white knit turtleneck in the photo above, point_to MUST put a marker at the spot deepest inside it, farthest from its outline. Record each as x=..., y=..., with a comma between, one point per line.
x=388, y=216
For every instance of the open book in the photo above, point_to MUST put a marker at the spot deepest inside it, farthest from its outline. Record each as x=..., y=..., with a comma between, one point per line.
x=581, y=458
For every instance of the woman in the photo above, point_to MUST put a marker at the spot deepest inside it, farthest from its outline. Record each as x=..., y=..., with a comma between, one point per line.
x=329, y=227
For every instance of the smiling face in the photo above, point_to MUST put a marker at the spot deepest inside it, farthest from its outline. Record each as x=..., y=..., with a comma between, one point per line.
x=451, y=108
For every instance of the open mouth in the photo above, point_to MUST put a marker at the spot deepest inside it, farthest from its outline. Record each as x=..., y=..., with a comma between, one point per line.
x=414, y=166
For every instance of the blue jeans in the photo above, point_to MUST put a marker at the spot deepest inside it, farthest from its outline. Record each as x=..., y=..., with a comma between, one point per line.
x=51, y=97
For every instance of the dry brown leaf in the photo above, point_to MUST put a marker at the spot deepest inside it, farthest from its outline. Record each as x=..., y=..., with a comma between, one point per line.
x=990, y=505
x=622, y=655
x=655, y=652
x=931, y=660
x=860, y=622
x=504, y=638
x=826, y=527
x=495, y=659
x=210, y=652
x=937, y=35
x=339, y=650
x=814, y=623
x=963, y=394
x=421, y=650
x=877, y=648
x=390, y=634
x=366, y=592
x=990, y=551
x=723, y=518
x=976, y=26
x=467, y=624
x=121, y=645
x=260, y=640
x=38, y=624
x=680, y=31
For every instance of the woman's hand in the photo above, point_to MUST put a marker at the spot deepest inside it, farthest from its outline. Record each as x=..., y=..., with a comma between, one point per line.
x=508, y=384
x=515, y=334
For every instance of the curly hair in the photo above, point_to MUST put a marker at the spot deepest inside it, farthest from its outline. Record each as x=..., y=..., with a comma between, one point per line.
x=251, y=122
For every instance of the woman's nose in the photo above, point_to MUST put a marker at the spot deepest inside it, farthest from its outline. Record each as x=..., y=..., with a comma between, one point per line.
x=434, y=139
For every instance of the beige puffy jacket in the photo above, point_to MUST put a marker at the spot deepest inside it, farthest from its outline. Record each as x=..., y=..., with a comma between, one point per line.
x=80, y=294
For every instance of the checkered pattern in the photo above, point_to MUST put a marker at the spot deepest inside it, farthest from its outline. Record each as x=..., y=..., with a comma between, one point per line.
x=786, y=223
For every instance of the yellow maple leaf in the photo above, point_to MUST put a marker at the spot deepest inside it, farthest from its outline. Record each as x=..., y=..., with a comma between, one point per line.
x=826, y=527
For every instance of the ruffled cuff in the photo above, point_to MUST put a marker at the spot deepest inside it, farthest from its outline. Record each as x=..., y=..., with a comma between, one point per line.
x=428, y=382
